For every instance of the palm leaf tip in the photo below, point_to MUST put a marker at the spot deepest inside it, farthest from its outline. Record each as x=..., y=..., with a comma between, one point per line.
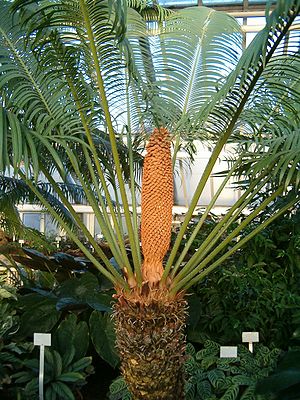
x=156, y=204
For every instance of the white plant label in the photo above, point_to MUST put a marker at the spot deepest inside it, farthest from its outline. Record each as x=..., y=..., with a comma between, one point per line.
x=250, y=338
x=228, y=351
x=42, y=340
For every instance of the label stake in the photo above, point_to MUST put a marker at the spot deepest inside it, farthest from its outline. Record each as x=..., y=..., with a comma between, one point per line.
x=250, y=338
x=42, y=340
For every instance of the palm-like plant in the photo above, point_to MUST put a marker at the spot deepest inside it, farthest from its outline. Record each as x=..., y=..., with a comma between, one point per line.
x=73, y=71
x=15, y=191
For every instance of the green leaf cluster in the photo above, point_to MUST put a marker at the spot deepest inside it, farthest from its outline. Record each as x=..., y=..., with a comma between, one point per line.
x=257, y=290
x=118, y=390
x=12, y=356
x=284, y=382
x=66, y=363
x=209, y=377
x=212, y=377
x=42, y=307
x=103, y=337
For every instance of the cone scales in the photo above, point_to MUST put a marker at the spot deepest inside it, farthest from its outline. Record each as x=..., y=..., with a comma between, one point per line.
x=157, y=203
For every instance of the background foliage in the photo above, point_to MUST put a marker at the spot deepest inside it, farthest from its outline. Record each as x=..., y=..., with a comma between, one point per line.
x=260, y=283
x=61, y=290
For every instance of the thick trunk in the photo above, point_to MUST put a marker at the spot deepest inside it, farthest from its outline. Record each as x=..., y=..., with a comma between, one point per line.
x=151, y=343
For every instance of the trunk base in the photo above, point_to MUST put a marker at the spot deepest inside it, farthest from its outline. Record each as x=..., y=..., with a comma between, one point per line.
x=151, y=342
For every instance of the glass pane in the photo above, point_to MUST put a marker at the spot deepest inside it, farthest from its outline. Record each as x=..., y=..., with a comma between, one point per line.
x=221, y=2
x=259, y=1
x=256, y=21
x=97, y=231
x=249, y=37
x=50, y=228
x=32, y=220
x=179, y=3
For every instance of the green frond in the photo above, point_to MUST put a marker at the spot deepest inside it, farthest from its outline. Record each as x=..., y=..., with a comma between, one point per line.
x=149, y=10
x=13, y=227
x=15, y=191
x=107, y=20
x=279, y=154
x=182, y=62
x=275, y=96
x=222, y=112
x=220, y=115
x=37, y=98
x=78, y=77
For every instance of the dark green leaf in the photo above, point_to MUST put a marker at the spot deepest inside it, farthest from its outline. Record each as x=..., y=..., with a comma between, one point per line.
x=81, y=364
x=71, y=377
x=63, y=391
x=103, y=337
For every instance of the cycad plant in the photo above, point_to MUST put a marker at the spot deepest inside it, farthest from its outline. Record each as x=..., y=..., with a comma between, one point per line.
x=85, y=83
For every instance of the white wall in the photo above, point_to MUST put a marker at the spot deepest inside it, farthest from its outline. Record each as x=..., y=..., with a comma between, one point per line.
x=188, y=176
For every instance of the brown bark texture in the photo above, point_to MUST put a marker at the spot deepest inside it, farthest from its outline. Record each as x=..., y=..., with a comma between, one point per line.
x=151, y=343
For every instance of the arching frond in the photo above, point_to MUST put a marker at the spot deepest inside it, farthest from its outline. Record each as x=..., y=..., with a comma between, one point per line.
x=73, y=21
x=91, y=73
x=279, y=154
x=183, y=62
x=150, y=10
x=37, y=98
x=16, y=191
x=13, y=227
x=276, y=95
x=219, y=117
x=221, y=113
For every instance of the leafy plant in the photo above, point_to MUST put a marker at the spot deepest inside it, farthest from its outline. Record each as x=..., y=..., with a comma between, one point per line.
x=103, y=337
x=12, y=356
x=78, y=79
x=8, y=325
x=36, y=308
x=41, y=310
x=66, y=364
x=118, y=390
x=259, y=291
x=37, y=314
x=7, y=291
x=284, y=382
x=60, y=265
x=210, y=377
